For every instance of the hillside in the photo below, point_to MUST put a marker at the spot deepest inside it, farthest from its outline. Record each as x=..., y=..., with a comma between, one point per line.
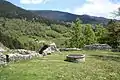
x=68, y=17
x=9, y=10
x=20, y=28
x=29, y=34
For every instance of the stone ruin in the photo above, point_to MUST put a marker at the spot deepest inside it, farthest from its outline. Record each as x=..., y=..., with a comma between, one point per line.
x=17, y=55
x=70, y=49
x=97, y=47
x=21, y=54
x=48, y=49
x=2, y=59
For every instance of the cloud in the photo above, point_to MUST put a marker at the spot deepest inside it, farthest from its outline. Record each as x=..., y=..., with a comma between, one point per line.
x=100, y=8
x=33, y=1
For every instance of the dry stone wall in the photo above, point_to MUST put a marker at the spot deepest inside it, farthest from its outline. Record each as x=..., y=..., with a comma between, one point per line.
x=17, y=55
x=97, y=47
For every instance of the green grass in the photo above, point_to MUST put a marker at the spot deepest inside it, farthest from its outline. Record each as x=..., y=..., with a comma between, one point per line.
x=99, y=65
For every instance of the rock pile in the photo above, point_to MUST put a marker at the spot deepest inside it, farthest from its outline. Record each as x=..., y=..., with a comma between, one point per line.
x=97, y=47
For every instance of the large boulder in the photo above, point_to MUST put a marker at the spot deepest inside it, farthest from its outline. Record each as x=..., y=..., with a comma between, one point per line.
x=48, y=49
x=97, y=47
x=3, y=48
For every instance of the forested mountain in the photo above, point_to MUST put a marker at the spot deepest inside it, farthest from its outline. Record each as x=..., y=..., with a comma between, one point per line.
x=68, y=17
x=10, y=10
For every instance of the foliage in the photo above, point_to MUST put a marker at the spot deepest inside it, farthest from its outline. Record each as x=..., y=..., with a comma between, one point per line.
x=25, y=31
x=117, y=13
x=101, y=34
x=82, y=34
x=59, y=28
x=53, y=34
x=89, y=34
x=10, y=42
x=77, y=39
x=114, y=33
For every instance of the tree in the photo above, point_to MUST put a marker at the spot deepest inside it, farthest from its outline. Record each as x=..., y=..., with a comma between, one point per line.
x=114, y=33
x=101, y=34
x=89, y=34
x=77, y=37
x=117, y=13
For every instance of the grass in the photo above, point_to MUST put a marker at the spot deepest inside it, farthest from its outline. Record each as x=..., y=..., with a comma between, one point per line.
x=99, y=65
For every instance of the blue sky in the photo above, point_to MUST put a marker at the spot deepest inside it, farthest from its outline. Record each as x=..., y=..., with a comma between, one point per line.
x=100, y=8
x=48, y=4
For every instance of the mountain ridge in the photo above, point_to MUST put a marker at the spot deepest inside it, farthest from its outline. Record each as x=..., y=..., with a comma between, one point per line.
x=69, y=17
x=10, y=10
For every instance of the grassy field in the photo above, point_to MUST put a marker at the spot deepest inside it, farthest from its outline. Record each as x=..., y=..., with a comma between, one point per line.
x=99, y=65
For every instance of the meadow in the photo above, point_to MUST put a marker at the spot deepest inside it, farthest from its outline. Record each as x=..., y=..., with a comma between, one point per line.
x=99, y=65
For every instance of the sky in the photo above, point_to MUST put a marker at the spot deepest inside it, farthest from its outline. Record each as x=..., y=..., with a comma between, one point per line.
x=99, y=8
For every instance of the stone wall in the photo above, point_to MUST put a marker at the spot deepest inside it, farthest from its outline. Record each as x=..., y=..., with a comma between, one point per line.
x=2, y=59
x=69, y=49
x=97, y=47
x=17, y=55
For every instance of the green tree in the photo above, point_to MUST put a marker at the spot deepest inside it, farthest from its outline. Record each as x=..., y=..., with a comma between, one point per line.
x=117, y=13
x=89, y=34
x=101, y=34
x=114, y=33
x=77, y=37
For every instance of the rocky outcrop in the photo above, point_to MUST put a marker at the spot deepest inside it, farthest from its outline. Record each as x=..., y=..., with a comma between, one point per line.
x=97, y=47
x=48, y=49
